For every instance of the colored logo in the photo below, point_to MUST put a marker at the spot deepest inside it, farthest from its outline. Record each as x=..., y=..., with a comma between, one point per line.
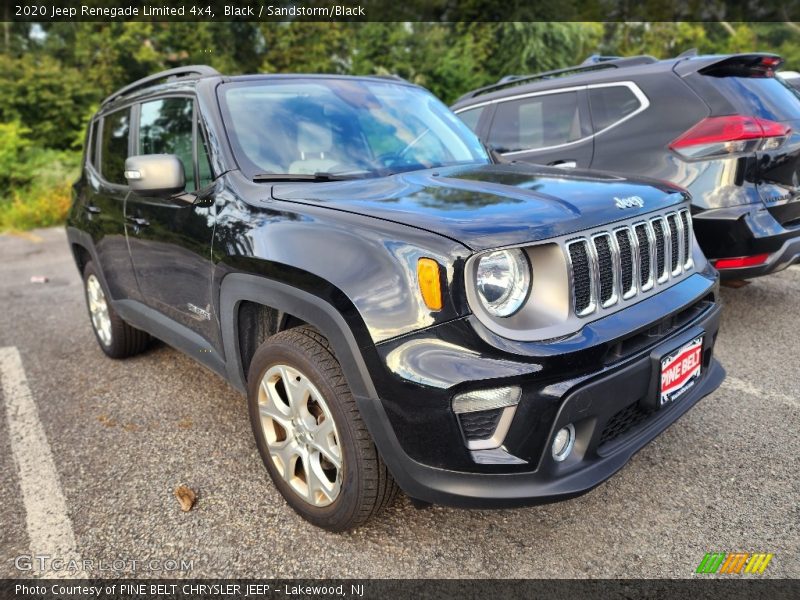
x=734, y=563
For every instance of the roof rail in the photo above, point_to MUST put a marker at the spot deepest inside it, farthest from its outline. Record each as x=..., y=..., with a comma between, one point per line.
x=392, y=76
x=599, y=58
x=191, y=71
x=509, y=78
x=597, y=63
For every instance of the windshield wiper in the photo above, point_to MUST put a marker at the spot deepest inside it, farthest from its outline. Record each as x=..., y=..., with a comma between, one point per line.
x=266, y=177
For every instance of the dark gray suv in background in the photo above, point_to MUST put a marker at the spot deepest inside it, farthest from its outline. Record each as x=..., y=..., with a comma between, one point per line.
x=723, y=127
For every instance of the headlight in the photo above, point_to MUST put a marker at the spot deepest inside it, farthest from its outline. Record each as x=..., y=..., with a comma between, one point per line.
x=503, y=279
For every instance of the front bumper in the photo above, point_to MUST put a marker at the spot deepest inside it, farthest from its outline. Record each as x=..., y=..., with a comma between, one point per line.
x=473, y=490
x=747, y=231
x=605, y=406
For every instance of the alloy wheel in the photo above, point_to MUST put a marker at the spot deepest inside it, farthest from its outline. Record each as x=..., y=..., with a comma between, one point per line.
x=98, y=309
x=301, y=435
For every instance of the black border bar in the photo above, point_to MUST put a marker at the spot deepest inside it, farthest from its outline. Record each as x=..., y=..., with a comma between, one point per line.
x=698, y=588
x=408, y=10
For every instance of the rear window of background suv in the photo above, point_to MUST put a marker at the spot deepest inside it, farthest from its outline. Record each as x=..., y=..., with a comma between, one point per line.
x=611, y=104
x=764, y=97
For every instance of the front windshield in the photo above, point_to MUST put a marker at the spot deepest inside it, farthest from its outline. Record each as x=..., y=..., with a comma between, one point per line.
x=342, y=126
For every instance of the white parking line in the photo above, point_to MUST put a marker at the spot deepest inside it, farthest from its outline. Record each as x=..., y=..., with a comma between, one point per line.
x=49, y=527
x=745, y=387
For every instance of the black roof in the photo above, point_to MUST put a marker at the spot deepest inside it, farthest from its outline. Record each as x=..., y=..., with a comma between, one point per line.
x=599, y=68
x=190, y=72
x=593, y=63
x=197, y=72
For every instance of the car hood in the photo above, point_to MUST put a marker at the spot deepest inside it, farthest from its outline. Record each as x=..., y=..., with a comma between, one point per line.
x=489, y=206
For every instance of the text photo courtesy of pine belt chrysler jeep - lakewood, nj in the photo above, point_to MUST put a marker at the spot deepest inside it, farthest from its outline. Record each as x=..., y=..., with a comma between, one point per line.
x=401, y=310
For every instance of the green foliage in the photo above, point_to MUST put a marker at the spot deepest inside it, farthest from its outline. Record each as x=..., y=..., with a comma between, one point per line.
x=44, y=96
x=34, y=182
x=36, y=206
x=13, y=145
x=54, y=75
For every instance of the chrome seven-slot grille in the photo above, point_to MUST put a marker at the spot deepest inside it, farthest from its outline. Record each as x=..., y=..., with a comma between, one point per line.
x=623, y=262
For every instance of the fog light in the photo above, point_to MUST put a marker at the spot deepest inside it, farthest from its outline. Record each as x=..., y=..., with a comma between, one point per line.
x=486, y=399
x=563, y=442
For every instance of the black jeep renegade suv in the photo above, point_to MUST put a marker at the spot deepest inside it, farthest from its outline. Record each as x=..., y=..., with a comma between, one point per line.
x=723, y=127
x=396, y=307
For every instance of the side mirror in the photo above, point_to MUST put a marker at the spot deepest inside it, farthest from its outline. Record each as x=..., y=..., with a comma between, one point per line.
x=155, y=174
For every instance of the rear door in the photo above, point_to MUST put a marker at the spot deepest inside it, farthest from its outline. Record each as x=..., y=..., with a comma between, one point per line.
x=170, y=241
x=610, y=105
x=105, y=193
x=549, y=128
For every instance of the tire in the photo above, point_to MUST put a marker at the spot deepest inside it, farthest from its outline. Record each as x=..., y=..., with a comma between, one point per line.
x=292, y=430
x=115, y=337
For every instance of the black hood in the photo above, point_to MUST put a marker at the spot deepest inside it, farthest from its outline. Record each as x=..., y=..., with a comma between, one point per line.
x=489, y=206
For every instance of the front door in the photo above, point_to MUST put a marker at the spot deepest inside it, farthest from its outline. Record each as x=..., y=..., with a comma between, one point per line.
x=170, y=240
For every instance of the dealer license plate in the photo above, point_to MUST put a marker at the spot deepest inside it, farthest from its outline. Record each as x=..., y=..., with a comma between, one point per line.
x=681, y=370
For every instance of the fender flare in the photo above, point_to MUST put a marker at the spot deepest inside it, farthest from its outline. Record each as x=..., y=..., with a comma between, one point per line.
x=76, y=237
x=238, y=287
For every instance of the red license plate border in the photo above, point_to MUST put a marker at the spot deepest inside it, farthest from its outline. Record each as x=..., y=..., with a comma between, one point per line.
x=690, y=353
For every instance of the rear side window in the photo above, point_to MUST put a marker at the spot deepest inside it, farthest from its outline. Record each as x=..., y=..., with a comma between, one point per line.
x=165, y=127
x=472, y=117
x=609, y=105
x=536, y=122
x=114, y=146
x=764, y=97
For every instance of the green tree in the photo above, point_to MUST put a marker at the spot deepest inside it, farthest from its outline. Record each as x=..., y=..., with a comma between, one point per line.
x=43, y=95
x=304, y=47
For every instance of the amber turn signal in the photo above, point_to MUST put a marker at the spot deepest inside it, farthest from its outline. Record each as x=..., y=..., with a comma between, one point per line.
x=429, y=284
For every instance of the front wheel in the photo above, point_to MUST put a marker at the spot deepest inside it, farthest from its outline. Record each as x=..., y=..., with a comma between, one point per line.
x=309, y=432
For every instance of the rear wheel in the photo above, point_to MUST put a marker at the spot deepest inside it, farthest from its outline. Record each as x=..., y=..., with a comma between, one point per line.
x=116, y=338
x=309, y=432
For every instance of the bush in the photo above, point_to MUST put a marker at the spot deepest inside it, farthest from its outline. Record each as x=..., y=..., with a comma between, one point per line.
x=35, y=183
x=39, y=206
x=13, y=146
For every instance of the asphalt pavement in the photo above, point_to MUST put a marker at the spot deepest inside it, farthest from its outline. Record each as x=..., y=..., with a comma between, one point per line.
x=124, y=434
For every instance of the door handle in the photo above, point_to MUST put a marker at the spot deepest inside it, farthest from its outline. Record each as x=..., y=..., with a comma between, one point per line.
x=91, y=209
x=138, y=221
x=563, y=164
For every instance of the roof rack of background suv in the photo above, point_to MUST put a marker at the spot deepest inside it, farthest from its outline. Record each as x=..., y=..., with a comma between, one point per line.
x=189, y=72
x=392, y=76
x=593, y=63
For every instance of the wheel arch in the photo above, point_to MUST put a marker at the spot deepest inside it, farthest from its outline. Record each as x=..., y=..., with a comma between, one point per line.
x=291, y=306
x=82, y=247
x=81, y=255
x=83, y=251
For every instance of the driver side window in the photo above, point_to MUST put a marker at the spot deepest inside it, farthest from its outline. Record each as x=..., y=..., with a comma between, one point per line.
x=165, y=127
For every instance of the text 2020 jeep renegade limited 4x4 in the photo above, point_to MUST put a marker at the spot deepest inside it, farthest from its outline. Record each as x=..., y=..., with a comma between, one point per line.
x=396, y=307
